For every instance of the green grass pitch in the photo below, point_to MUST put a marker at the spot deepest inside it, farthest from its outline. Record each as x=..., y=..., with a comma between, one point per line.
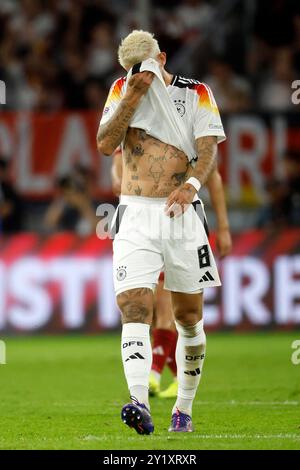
x=67, y=392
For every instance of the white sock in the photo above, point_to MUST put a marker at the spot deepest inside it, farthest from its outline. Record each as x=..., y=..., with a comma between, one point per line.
x=137, y=359
x=190, y=353
x=141, y=393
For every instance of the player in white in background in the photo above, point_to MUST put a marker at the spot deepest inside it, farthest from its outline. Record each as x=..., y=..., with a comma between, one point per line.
x=157, y=179
x=164, y=334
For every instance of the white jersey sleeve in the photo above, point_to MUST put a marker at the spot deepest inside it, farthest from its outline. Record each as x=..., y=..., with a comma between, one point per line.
x=207, y=120
x=113, y=100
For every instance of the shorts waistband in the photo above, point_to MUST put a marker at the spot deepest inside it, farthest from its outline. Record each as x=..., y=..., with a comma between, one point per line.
x=126, y=200
x=148, y=200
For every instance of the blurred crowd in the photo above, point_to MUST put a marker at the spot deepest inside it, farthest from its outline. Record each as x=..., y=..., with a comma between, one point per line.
x=58, y=54
x=72, y=207
x=11, y=209
x=283, y=206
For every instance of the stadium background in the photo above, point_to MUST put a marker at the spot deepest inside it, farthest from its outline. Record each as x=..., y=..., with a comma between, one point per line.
x=57, y=60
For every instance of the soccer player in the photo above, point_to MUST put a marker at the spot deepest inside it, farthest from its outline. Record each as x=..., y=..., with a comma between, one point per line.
x=164, y=334
x=151, y=236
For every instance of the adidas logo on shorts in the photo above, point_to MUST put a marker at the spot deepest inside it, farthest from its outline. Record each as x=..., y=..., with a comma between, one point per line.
x=207, y=277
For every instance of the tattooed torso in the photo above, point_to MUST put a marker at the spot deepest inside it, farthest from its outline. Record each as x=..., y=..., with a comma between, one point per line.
x=151, y=168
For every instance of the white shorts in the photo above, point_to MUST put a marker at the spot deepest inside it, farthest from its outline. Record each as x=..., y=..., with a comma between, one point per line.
x=147, y=241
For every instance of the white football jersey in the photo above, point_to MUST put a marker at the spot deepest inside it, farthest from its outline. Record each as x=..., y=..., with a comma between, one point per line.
x=194, y=101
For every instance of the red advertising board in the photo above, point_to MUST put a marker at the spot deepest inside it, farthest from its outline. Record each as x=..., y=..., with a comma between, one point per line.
x=64, y=283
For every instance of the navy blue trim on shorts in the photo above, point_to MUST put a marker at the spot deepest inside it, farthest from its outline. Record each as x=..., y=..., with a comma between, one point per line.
x=200, y=213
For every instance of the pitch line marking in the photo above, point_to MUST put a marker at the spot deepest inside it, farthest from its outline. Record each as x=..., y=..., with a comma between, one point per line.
x=250, y=403
x=295, y=437
x=207, y=403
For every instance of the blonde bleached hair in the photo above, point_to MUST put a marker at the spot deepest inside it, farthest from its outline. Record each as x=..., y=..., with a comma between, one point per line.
x=136, y=47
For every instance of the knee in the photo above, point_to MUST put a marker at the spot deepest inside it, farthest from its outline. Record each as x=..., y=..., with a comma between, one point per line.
x=188, y=317
x=134, y=310
x=187, y=308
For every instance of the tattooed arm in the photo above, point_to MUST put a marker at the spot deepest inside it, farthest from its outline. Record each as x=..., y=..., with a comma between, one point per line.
x=207, y=152
x=111, y=134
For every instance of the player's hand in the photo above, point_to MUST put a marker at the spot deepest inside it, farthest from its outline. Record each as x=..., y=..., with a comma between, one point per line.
x=139, y=84
x=224, y=242
x=179, y=200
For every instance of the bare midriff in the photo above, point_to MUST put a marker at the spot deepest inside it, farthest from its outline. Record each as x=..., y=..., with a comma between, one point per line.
x=151, y=168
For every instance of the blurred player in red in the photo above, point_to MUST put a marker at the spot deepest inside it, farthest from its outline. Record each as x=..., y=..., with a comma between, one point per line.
x=164, y=334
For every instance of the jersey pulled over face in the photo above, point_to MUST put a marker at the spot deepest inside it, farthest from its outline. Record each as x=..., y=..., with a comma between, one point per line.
x=152, y=168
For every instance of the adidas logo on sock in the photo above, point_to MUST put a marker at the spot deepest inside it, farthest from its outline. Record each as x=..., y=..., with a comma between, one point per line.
x=207, y=277
x=193, y=372
x=134, y=356
x=159, y=351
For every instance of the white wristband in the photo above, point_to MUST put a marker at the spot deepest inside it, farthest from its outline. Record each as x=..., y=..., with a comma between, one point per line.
x=194, y=182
